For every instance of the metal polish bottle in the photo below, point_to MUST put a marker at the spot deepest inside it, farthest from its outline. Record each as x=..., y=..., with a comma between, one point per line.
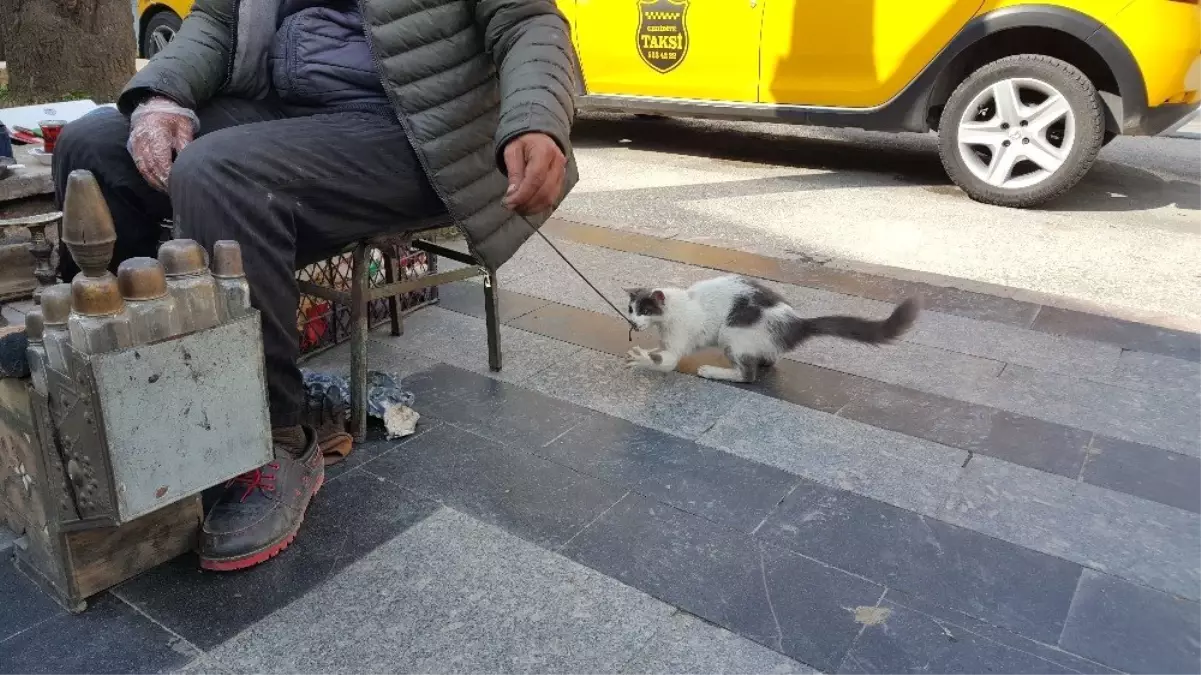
x=56, y=312
x=232, y=289
x=35, y=351
x=190, y=283
x=98, y=322
x=153, y=315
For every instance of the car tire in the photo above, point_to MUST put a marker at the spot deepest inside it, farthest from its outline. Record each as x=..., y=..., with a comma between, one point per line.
x=160, y=29
x=1004, y=146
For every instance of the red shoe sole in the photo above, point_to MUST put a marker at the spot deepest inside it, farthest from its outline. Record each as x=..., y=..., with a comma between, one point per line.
x=234, y=564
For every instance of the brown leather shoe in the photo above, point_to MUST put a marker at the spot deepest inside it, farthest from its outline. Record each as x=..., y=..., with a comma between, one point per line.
x=260, y=512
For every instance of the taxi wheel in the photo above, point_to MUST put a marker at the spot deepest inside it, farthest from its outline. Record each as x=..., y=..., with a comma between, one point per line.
x=1021, y=131
x=160, y=30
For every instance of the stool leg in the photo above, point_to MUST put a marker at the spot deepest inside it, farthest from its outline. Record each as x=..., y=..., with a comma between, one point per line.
x=359, y=278
x=492, y=320
x=390, y=265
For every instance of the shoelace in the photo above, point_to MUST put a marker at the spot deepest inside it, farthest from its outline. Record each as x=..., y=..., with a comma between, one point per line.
x=256, y=479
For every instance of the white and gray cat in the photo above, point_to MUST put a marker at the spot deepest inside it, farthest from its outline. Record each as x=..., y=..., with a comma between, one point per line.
x=751, y=322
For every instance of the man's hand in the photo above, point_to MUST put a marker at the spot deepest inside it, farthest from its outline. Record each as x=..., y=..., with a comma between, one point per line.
x=536, y=169
x=159, y=130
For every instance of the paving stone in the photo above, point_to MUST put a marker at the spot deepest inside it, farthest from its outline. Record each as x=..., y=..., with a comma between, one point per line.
x=1127, y=334
x=957, y=623
x=902, y=363
x=6, y=538
x=1026, y=440
x=1133, y=628
x=1158, y=373
x=1042, y=351
x=449, y=337
x=349, y=518
x=454, y=595
x=794, y=605
x=689, y=645
x=1147, y=472
x=1130, y=537
x=1142, y=417
x=530, y=496
x=22, y=604
x=203, y=665
x=513, y=415
x=881, y=464
x=110, y=637
x=466, y=297
x=679, y=404
x=999, y=582
x=698, y=479
x=943, y=299
x=375, y=445
x=905, y=641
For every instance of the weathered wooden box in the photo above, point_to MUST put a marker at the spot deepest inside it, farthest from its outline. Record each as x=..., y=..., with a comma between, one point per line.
x=101, y=476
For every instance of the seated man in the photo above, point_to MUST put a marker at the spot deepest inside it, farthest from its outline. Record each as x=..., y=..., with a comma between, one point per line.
x=296, y=127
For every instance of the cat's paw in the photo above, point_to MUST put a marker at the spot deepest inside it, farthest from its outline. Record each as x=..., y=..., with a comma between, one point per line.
x=709, y=372
x=638, y=357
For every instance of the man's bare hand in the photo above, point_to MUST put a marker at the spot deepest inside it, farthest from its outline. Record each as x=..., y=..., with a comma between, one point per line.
x=536, y=169
x=159, y=130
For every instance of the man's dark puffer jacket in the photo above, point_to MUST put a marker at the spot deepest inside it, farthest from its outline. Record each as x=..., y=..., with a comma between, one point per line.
x=465, y=77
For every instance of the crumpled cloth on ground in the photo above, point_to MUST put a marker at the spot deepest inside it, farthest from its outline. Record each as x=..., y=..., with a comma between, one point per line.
x=327, y=409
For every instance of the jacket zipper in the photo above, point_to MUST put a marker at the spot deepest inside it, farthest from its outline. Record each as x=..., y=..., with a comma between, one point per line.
x=233, y=46
x=404, y=124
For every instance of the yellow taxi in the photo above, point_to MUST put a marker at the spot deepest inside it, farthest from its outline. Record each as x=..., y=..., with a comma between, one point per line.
x=1022, y=93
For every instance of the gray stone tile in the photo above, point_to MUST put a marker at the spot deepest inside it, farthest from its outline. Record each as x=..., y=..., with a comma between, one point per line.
x=1011, y=344
x=698, y=479
x=957, y=623
x=22, y=604
x=1147, y=472
x=881, y=464
x=110, y=637
x=1035, y=443
x=688, y=645
x=6, y=538
x=1155, y=372
x=203, y=665
x=1133, y=628
x=349, y=518
x=1127, y=334
x=450, y=337
x=792, y=604
x=1142, y=417
x=512, y=415
x=679, y=404
x=903, y=363
x=454, y=595
x=905, y=641
x=530, y=496
x=996, y=581
x=1133, y=538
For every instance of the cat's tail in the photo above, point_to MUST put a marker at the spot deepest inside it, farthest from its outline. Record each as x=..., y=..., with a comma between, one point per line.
x=857, y=329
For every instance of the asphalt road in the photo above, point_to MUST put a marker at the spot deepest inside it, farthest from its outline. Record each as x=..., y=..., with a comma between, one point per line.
x=1126, y=241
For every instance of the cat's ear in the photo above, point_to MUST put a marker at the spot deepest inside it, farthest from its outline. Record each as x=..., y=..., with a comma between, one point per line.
x=658, y=297
x=633, y=292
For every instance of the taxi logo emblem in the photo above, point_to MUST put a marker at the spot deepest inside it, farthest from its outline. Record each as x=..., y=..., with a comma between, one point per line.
x=662, y=33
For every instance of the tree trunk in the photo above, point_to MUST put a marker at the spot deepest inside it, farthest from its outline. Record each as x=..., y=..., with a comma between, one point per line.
x=66, y=49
